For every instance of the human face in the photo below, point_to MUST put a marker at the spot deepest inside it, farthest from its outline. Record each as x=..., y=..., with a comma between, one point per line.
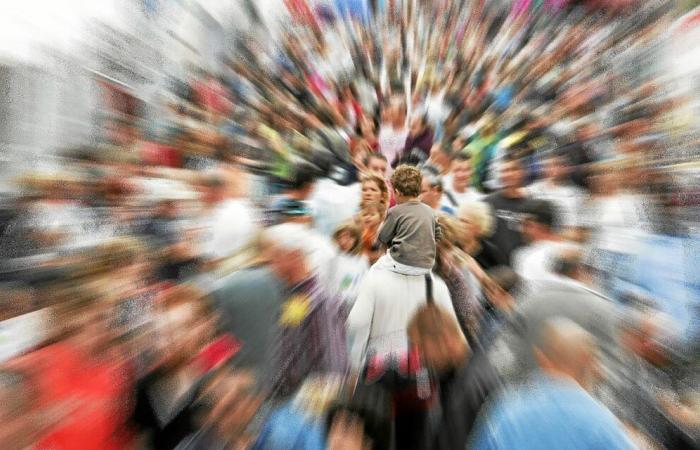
x=371, y=193
x=283, y=262
x=555, y=168
x=370, y=219
x=377, y=166
x=430, y=195
x=461, y=174
x=346, y=241
x=511, y=175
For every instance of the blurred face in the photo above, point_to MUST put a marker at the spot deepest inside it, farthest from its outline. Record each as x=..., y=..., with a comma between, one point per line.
x=377, y=166
x=346, y=241
x=371, y=192
x=461, y=173
x=430, y=195
x=511, y=175
x=555, y=169
x=370, y=219
x=284, y=262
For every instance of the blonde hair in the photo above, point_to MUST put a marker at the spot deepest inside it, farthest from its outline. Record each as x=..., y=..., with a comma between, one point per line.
x=481, y=214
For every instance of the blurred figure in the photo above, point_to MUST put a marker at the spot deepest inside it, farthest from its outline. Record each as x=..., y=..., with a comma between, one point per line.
x=295, y=328
x=554, y=410
x=228, y=224
x=458, y=188
x=556, y=188
x=507, y=205
x=535, y=261
x=466, y=380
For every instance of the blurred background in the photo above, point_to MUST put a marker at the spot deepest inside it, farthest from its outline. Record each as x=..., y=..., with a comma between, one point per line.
x=192, y=189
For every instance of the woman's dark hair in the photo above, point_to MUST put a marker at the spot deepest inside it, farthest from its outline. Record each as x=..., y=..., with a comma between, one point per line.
x=372, y=405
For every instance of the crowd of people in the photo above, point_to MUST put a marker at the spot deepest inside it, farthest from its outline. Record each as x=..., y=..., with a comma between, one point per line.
x=407, y=225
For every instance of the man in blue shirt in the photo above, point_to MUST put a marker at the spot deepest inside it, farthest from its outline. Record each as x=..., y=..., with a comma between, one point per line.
x=554, y=410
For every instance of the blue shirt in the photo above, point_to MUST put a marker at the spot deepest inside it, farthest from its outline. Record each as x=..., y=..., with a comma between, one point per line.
x=550, y=414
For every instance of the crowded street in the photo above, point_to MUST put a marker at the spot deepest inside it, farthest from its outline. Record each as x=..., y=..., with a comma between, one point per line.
x=350, y=224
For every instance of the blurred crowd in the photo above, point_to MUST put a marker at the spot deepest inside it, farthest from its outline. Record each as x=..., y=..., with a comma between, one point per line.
x=405, y=225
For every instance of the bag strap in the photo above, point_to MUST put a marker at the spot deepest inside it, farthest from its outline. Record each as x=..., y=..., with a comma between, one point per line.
x=451, y=198
x=429, y=289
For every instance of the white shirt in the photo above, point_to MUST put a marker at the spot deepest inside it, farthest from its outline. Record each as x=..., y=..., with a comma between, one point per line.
x=469, y=195
x=386, y=303
x=567, y=200
x=348, y=273
x=332, y=204
x=535, y=262
x=391, y=141
x=231, y=225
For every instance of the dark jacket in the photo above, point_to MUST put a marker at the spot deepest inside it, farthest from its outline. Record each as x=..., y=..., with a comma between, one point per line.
x=462, y=395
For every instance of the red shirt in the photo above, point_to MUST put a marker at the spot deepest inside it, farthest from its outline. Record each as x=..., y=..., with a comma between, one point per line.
x=102, y=392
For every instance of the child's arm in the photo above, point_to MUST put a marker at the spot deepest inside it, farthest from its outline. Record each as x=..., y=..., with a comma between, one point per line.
x=387, y=231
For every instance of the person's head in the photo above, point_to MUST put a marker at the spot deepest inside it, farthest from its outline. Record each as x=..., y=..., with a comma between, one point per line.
x=538, y=220
x=406, y=181
x=376, y=164
x=461, y=171
x=302, y=181
x=213, y=190
x=431, y=189
x=440, y=155
x=438, y=338
x=477, y=220
x=374, y=189
x=511, y=173
x=365, y=416
x=556, y=167
x=371, y=214
x=347, y=238
x=289, y=210
x=564, y=348
x=286, y=249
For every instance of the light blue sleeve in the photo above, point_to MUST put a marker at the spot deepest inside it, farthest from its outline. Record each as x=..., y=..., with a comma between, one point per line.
x=483, y=436
x=610, y=435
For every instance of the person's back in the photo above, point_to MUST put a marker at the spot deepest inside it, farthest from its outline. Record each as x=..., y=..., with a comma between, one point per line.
x=249, y=301
x=410, y=228
x=547, y=414
x=409, y=232
x=386, y=302
x=553, y=408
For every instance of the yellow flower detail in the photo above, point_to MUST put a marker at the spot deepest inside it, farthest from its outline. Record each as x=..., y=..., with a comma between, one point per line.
x=294, y=311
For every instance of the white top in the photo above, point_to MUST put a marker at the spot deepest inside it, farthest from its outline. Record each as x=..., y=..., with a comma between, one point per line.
x=391, y=141
x=231, y=225
x=567, y=200
x=347, y=275
x=469, y=195
x=332, y=204
x=386, y=303
x=615, y=222
x=535, y=262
